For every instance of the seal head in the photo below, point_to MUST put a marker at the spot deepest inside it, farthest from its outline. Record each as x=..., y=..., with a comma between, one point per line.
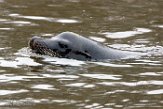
x=65, y=45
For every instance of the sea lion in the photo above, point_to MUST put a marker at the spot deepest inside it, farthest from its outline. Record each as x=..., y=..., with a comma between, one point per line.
x=74, y=46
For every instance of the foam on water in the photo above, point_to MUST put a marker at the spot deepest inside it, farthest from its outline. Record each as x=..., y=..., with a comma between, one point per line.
x=19, y=61
x=63, y=61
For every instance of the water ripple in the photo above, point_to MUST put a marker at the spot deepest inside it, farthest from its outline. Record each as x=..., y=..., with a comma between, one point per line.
x=49, y=19
x=150, y=74
x=132, y=84
x=83, y=85
x=126, y=34
x=8, y=92
x=102, y=76
x=12, y=77
x=159, y=26
x=111, y=65
x=7, y=29
x=33, y=101
x=43, y=87
x=153, y=92
x=63, y=61
x=146, y=62
x=99, y=39
x=19, y=61
x=20, y=23
x=60, y=76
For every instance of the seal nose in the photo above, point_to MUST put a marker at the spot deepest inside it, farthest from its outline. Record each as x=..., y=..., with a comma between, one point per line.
x=32, y=41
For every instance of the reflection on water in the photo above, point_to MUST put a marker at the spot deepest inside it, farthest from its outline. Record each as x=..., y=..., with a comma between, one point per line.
x=45, y=18
x=9, y=92
x=18, y=62
x=126, y=34
x=159, y=91
x=43, y=87
x=33, y=81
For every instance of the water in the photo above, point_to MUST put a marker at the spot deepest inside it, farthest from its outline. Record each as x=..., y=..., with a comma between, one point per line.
x=30, y=81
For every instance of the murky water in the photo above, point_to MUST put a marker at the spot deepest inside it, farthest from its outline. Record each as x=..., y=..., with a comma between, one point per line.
x=28, y=81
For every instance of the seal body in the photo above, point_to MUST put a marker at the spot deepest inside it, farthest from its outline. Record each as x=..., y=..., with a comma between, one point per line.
x=74, y=46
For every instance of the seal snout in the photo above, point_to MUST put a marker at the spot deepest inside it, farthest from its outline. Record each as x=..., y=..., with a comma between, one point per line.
x=33, y=41
x=38, y=45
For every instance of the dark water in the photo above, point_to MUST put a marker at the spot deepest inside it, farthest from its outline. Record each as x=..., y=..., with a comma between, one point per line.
x=28, y=81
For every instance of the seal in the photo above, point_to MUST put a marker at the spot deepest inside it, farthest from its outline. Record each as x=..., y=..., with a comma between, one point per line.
x=73, y=46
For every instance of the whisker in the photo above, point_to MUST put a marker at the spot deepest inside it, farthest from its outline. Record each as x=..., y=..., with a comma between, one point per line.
x=42, y=49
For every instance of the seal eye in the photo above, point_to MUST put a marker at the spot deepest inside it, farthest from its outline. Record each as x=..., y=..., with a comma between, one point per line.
x=62, y=45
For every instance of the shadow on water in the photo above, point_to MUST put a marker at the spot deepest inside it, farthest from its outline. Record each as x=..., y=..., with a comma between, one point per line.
x=31, y=81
